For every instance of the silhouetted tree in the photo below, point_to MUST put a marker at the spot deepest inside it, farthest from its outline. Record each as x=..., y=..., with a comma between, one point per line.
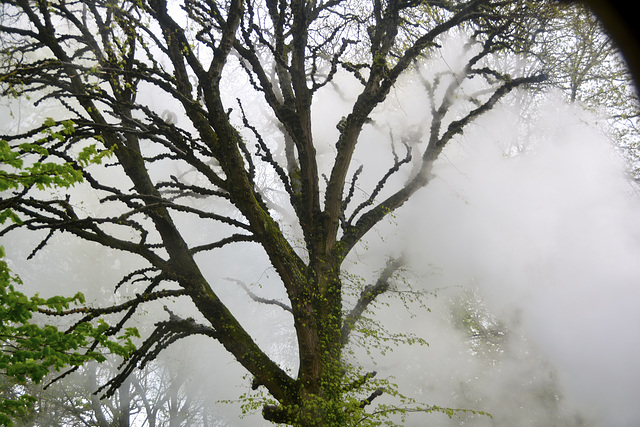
x=95, y=60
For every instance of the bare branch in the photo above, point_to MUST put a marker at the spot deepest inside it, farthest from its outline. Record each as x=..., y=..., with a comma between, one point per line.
x=165, y=334
x=367, y=296
x=436, y=144
x=256, y=298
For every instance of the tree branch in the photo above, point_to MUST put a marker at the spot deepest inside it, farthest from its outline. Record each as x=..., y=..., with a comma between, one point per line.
x=436, y=144
x=256, y=298
x=367, y=296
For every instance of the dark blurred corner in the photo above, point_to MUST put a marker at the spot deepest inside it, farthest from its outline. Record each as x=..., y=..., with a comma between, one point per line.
x=620, y=18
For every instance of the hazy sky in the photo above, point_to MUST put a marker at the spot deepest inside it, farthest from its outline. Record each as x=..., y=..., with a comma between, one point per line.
x=551, y=237
x=533, y=210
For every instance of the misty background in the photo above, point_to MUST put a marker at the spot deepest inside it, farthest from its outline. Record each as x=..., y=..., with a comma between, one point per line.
x=530, y=229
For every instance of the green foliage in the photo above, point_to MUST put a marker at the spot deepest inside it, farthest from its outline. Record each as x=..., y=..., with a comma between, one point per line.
x=38, y=174
x=41, y=174
x=91, y=155
x=12, y=408
x=95, y=80
x=31, y=351
x=46, y=174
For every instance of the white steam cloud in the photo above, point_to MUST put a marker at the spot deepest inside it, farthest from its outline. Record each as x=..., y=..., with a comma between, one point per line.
x=533, y=210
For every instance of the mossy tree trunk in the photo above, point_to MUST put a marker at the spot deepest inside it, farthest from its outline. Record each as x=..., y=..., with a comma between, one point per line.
x=104, y=51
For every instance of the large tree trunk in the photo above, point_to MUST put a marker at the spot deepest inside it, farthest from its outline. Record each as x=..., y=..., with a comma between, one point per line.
x=318, y=320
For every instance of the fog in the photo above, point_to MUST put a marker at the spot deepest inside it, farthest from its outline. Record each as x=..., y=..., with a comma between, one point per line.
x=550, y=238
x=529, y=216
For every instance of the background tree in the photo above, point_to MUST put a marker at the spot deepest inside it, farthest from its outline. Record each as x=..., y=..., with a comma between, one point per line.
x=29, y=350
x=587, y=66
x=97, y=61
x=152, y=397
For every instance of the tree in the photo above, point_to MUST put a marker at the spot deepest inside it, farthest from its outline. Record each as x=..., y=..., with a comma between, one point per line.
x=588, y=67
x=95, y=61
x=150, y=397
x=29, y=350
